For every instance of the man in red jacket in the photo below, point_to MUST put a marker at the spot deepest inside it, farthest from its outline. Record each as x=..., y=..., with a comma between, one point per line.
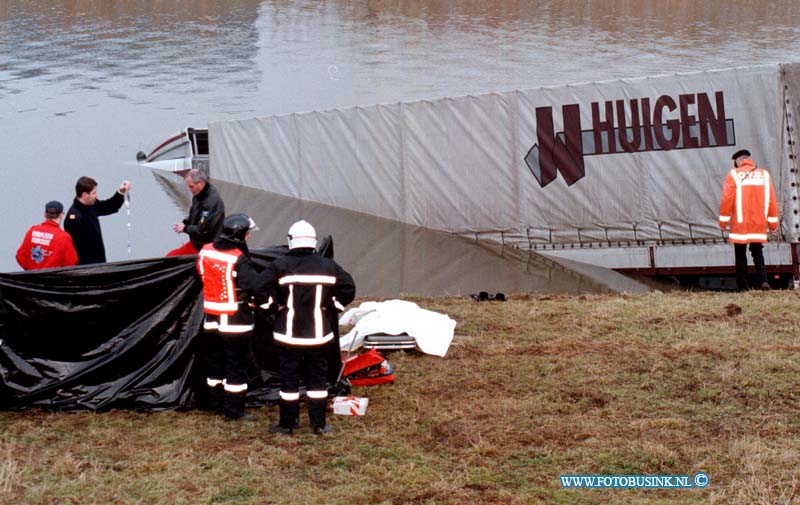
x=749, y=206
x=46, y=245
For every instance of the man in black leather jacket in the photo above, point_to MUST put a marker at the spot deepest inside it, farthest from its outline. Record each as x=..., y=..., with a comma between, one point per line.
x=204, y=223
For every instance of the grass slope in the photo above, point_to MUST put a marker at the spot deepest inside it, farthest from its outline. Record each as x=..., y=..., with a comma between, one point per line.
x=530, y=389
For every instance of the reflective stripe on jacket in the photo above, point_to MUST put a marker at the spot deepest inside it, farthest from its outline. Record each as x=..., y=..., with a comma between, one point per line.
x=216, y=270
x=748, y=204
x=309, y=291
x=306, y=293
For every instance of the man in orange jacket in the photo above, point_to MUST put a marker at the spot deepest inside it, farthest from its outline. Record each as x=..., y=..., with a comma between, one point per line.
x=750, y=207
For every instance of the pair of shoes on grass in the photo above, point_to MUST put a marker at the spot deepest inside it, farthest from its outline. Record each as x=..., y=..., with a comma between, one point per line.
x=483, y=296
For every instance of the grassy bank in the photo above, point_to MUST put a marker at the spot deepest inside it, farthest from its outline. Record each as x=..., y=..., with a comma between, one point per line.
x=531, y=389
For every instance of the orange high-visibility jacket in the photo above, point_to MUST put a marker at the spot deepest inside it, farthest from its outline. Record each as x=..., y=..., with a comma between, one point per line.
x=748, y=204
x=217, y=271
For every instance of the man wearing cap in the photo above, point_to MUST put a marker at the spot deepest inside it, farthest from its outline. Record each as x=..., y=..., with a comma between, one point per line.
x=749, y=206
x=82, y=219
x=46, y=245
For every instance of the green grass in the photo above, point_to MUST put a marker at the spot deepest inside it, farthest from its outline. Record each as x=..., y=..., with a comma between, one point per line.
x=531, y=389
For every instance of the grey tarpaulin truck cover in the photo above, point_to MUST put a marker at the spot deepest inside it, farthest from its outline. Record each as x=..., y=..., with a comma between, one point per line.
x=632, y=168
x=118, y=335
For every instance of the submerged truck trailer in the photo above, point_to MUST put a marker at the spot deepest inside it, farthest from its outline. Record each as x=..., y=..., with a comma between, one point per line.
x=625, y=174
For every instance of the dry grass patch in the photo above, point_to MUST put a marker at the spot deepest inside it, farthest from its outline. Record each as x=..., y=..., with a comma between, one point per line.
x=531, y=389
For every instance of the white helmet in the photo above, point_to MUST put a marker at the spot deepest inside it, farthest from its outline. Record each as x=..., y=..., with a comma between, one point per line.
x=302, y=234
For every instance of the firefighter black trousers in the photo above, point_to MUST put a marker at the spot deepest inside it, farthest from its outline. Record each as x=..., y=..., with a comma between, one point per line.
x=311, y=365
x=227, y=371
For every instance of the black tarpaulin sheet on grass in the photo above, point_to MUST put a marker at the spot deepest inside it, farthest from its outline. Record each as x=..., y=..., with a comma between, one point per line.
x=116, y=335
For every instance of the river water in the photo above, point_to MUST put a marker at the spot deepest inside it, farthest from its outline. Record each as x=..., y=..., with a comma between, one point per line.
x=84, y=85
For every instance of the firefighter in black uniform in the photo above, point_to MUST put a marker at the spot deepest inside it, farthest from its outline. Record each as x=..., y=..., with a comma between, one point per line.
x=225, y=267
x=309, y=291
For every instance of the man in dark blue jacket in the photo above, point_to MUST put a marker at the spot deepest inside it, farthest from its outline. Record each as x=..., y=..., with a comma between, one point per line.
x=82, y=219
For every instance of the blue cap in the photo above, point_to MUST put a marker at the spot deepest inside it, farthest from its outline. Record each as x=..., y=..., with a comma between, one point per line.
x=53, y=208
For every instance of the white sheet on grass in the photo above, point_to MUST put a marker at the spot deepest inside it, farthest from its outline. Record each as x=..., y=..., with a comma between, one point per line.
x=432, y=331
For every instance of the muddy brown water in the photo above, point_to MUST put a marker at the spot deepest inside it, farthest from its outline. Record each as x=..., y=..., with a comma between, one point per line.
x=84, y=85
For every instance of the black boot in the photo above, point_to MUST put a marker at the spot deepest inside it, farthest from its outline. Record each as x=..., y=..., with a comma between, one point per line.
x=317, y=408
x=289, y=417
x=324, y=430
x=277, y=428
x=216, y=399
x=234, y=405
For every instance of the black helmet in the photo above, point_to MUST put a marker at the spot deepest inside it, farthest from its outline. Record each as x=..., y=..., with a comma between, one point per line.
x=235, y=228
